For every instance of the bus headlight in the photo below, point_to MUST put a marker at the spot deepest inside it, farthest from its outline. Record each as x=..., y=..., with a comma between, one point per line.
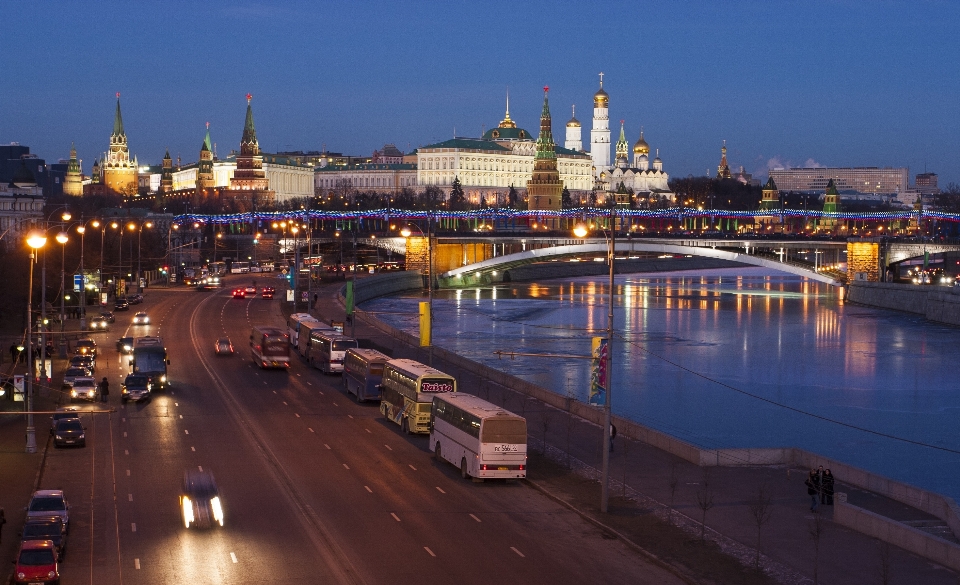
x=217, y=510
x=163, y=378
x=187, y=511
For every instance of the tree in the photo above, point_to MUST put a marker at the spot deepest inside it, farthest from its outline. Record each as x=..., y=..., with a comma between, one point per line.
x=760, y=510
x=949, y=199
x=816, y=530
x=704, y=501
x=458, y=200
x=565, y=199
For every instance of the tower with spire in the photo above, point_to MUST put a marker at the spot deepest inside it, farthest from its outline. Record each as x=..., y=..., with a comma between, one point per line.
x=831, y=204
x=574, y=140
x=249, y=186
x=723, y=169
x=73, y=180
x=622, y=149
x=600, y=134
x=119, y=170
x=545, y=189
x=205, y=165
x=770, y=198
x=166, y=174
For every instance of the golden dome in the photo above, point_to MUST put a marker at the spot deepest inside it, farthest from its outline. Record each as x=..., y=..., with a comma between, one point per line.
x=641, y=146
x=574, y=123
x=601, y=99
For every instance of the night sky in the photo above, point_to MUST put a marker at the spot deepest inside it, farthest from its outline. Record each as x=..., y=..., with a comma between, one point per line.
x=842, y=83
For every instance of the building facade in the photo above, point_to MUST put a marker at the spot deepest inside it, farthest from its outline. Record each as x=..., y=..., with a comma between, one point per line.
x=860, y=179
x=21, y=205
x=73, y=179
x=383, y=178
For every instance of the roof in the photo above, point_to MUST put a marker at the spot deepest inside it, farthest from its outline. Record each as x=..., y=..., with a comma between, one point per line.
x=467, y=144
x=499, y=133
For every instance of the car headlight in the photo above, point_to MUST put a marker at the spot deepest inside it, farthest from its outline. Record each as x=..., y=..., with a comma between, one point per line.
x=187, y=511
x=163, y=378
x=127, y=348
x=58, y=437
x=73, y=393
x=90, y=393
x=217, y=510
x=51, y=574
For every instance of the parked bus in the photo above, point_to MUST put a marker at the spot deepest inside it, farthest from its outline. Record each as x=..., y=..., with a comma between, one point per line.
x=327, y=350
x=479, y=437
x=407, y=390
x=217, y=268
x=363, y=372
x=270, y=347
x=150, y=359
x=310, y=331
x=240, y=268
x=293, y=326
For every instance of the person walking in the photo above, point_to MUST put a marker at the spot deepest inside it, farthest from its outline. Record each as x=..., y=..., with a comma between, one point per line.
x=827, y=488
x=104, y=390
x=813, y=489
x=613, y=435
x=3, y=520
x=14, y=352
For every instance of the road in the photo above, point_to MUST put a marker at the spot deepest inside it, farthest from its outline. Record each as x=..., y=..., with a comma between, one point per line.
x=316, y=487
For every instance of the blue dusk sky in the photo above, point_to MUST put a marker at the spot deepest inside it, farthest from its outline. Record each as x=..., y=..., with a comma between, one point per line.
x=832, y=83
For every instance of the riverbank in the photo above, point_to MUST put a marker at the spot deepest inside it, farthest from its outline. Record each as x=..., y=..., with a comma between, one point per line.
x=936, y=303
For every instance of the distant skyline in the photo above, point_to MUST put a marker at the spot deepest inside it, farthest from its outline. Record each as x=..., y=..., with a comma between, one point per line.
x=838, y=83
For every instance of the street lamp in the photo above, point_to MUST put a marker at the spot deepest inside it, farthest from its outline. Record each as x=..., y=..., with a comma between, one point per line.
x=35, y=241
x=406, y=233
x=296, y=268
x=147, y=225
x=580, y=231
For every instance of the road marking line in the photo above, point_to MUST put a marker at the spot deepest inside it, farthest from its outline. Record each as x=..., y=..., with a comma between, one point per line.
x=129, y=497
x=439, y=489
x=171, y=393
x=309, y=383
x=265, y=384
x=368, y=489
x=124, y=433
x=335, y=404
x=369, y=431
x=345, y=466
x=412, y=467
x=327, y=446
x=273, y=391
x=200, y=468
x=298, y=375
x=514, y=549
x=321, y=393
x=128, y=473
x=133, y=527
x=233, y=557
x=388, y=447
x=123, y=420
x=297, y=415
x=126, y=451
x=474, y=517
x=309, y=429
x=350, y=416
x=427, y=548
x=285, y=404
x=395, y=517
x=186, y=432
x=193, y=449
x=136, y=564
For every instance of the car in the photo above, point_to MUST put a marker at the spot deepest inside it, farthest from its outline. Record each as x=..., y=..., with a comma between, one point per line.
x=267, y=292
x=46, y=528
x=98, y=324
x=85, y=346
x=135, y=299
x=141, y=318
x=136, y=387
x=63, y=413
x=110, y=317
x=73, y=373
x=239, y=293
x=250, y=290
x=125, y=345
x=84, y=361
x=84, y=389
x=69, y=431
x=37, y=562
x=200, y=503
x=121, y=305
x=46, y=503
x=224, y=347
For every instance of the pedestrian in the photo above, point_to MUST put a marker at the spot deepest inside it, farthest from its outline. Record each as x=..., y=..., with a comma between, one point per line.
x=813, y=489
x=827, y=488
x=14, y=352
x=3, y=520
x=104, y=389
x=613, y=435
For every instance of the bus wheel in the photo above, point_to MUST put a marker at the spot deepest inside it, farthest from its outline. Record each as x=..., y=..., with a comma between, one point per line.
x=463, y=468
x=436, y=452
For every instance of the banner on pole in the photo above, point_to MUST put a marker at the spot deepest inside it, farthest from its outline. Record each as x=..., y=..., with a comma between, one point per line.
x=598, y=371
x=349, y=298
x=425, y=325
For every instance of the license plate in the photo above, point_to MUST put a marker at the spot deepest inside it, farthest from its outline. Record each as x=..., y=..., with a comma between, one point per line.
x=69, y=442
x=502, y=468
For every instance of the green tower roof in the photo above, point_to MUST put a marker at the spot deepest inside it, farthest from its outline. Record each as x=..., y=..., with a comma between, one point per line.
x=118, y=120
x=249, y=131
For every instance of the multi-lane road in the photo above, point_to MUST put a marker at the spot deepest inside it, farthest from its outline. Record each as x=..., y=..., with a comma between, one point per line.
x=316, y=488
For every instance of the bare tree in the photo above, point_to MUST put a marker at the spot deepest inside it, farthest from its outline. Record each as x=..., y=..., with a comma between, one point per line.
x=816, y=529
x=760, y=509
x=674, y=482
x=884, y=549
x=704, y=501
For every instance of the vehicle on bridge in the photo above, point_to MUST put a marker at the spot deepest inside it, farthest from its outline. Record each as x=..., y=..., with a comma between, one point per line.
x=481, y=438
x=270, y=347
x=150, y=359
x=327, y=350
x=363, y=372
x=407, y=391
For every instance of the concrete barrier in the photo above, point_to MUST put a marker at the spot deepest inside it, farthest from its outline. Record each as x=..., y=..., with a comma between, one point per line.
x=936, y=303
x=896, y=533
x=551, y=270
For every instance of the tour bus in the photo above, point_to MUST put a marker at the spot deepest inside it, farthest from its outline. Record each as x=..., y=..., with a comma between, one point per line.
x=309, y=335
x=407, y=390
x=479, y=437
x=269, y=347
x=363, y=372
x=327, y=349
x=217, y=268
x=240, y=268
x=150, y=359
x=293, y=326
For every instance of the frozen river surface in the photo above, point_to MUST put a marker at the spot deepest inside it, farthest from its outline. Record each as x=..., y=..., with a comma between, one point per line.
x=731, y=358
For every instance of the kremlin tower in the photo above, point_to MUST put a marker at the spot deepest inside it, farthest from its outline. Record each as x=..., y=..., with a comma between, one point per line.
x=166, y=174
x=600, y=134
x=73, y=181
x=723, y=169
x=119, y=171
x=205, y=166
x=545, y=189
x=249, y=187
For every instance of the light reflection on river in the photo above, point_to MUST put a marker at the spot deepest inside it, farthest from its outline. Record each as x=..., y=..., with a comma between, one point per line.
x=690, y=344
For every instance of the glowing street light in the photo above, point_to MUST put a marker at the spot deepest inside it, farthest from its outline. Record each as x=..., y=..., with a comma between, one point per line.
x=35, y=241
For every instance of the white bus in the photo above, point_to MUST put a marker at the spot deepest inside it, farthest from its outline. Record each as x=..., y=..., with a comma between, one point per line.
x=479, y=437
x=293, y=326
x=239, y=268
x=363, y=373
x=407, y=390
x=327, y=350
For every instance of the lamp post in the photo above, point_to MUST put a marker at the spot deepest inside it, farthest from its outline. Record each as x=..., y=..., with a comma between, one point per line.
x=147, y=225
x=581, y=231
x=82, y=229
x=62, y=239
x=296, y=268
x=35, y=241
x=405, y=232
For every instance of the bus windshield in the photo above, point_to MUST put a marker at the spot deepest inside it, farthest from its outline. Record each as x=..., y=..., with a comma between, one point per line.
x=436, y=385
x=511, y=431
x=343, y=345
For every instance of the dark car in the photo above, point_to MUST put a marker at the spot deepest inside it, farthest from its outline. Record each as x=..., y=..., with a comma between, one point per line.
x=239, y=293
x=135, y=299
x=36, y=562
x=224, y=347
x=84, y=361
x=46, y=528
x=85, y=346
x=110, y=317
x=200, y=503
x=135, y=387
x=121, y=305
x=69, y=432
x=62, y=414
x=125, y=345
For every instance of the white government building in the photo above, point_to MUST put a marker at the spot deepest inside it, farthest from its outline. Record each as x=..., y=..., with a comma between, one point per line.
x=290, y=179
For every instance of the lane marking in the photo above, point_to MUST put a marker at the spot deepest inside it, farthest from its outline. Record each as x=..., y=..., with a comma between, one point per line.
x=171, y=393
x=200, y=467
x=514, y=549
x=133, y=527
x=297, y=415
x=186, y=432
x=126, y=451
x=327, y=446
x=345, y=466
x=193, y=449
x=321, y=392
x=369, y=431
x=350, y=415
x=124, y=433
x=474, y=517
x=233, y=557
x=128, y=473
x=309, y=383
x=427, y=548
x=368, y=488
x=136, y=564
x=440, y=489
x=298, y=375
x=285, y=404
x=123, y=419
x=273, y=391
x=265, y=384
x=309, y=429
x=412, y=467
x=335, y=404
x=129, y=497
x=389, y=448
x=395, y=517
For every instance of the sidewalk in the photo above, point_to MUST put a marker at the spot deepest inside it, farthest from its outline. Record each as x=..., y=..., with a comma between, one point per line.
x=657, y=500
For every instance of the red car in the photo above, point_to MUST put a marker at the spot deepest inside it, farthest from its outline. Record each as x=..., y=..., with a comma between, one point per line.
x=267, y=292
x=37, y=562
x=239, y=293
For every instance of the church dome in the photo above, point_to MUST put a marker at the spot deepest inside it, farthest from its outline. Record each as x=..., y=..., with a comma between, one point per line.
x=601, y=99
x=573, y=123
x=641, y=146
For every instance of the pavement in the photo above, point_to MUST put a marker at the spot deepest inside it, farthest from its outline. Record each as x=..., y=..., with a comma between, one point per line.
x=649, y=485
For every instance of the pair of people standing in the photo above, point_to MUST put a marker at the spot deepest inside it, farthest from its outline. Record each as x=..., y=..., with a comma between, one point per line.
x=820, y=484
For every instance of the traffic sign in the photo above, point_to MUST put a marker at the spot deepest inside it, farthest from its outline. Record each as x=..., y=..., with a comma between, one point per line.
x=77, y=282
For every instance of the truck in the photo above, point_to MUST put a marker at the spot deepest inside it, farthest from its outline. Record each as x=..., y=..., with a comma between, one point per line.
x=150, y=359
x=270, y=347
